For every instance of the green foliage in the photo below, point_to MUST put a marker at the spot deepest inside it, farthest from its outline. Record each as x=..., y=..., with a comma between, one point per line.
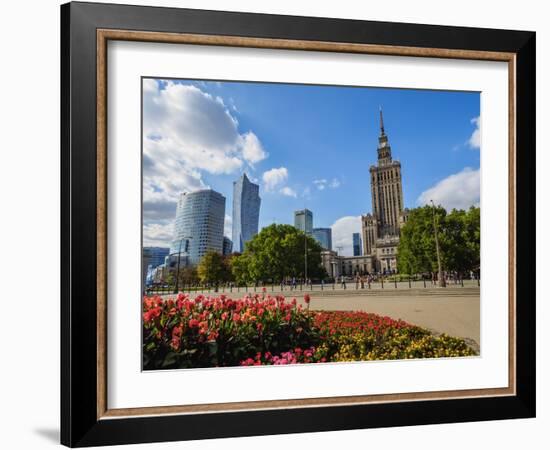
x=416, y=251
x=213, y=268
x=187, y=275
x=277, y=252
x=459, y=238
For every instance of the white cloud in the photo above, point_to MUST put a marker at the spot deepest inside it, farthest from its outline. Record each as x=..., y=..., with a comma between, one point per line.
x=289, y=192
x=275, y=178
x=187, y=132
x=460, y=190
x=228, y=226
x=323, y=183
x=320, y=184
x=253, y=151
x=158, y=234
x=475, y=138
x=342, y=234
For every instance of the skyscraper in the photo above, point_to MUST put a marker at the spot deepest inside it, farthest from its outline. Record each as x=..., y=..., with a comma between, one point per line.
x=356, y=244
x=381, y=229
x=155, y=255
x=199, y=224
x=227, y=246
x=303, y=220
x=152, y=257
x=324, y=237
x=246, y=212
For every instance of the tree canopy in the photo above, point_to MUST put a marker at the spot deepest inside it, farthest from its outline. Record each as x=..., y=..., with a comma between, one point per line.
x=213, y=268
x=459, y=239
x=277, y=252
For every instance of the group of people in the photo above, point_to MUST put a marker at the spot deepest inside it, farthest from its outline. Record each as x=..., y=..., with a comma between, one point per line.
x=295, y=282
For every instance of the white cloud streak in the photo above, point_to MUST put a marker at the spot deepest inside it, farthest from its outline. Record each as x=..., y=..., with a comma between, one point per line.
x=323, y=183
x=275, y=178
x=475, y=139
x=158, y=234
x=289, y=192
x=460, y=190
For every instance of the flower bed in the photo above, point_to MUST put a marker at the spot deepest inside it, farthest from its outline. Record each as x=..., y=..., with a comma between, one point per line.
x=265, y=330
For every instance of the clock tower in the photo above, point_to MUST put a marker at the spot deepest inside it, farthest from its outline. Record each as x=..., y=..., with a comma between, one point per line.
x=381, y=229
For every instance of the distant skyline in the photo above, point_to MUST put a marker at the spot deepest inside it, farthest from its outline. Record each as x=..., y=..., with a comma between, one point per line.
x=306, y=146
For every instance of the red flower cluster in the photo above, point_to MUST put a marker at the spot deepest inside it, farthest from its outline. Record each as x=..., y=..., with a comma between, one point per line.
x=267, y=330
x=211, y=331
x=350, y=321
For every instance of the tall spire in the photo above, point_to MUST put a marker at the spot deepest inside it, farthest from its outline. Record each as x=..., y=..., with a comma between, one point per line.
x=384, y=149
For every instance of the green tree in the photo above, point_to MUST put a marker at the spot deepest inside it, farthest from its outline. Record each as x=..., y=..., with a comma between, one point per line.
x=459, y=236
x=278, y=251
x=213, y=268
x=239, y=269
x=416, y=252
x=461, y=240
x=187, y=275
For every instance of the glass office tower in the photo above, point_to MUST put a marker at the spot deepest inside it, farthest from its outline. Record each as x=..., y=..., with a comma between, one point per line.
x=246, y=212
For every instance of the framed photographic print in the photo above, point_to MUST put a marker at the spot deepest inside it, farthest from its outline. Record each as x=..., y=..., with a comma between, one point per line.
x=277, y=224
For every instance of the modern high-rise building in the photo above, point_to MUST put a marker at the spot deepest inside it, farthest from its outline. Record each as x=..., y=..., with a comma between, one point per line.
x=199, y=224
x=246, y=212
x=381, y=229
x=356, y=244
x=227, y=246
x=155, y=255
x=303, y=220
x=152, y=257
x=324, y=237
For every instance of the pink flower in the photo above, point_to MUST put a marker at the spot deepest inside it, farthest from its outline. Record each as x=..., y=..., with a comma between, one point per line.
x=307, y=298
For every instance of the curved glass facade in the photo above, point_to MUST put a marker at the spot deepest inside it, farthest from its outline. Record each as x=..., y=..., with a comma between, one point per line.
x=199, y=224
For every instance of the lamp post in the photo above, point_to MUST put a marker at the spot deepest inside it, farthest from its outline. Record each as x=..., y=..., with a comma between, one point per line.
x=176, y=288
x=305, y=257
x=439, y=269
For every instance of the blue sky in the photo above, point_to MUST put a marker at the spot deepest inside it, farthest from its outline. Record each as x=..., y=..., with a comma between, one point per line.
x=306, y=146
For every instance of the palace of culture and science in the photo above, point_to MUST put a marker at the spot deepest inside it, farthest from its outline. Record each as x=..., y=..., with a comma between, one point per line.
x=380, y=229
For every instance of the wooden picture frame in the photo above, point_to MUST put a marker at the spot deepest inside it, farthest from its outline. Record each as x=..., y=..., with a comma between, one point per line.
x=85, y=416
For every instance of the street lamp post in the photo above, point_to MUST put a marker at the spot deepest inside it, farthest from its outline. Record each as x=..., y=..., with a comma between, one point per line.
x=305, y=257
x=176, y=289
x=439, y=269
